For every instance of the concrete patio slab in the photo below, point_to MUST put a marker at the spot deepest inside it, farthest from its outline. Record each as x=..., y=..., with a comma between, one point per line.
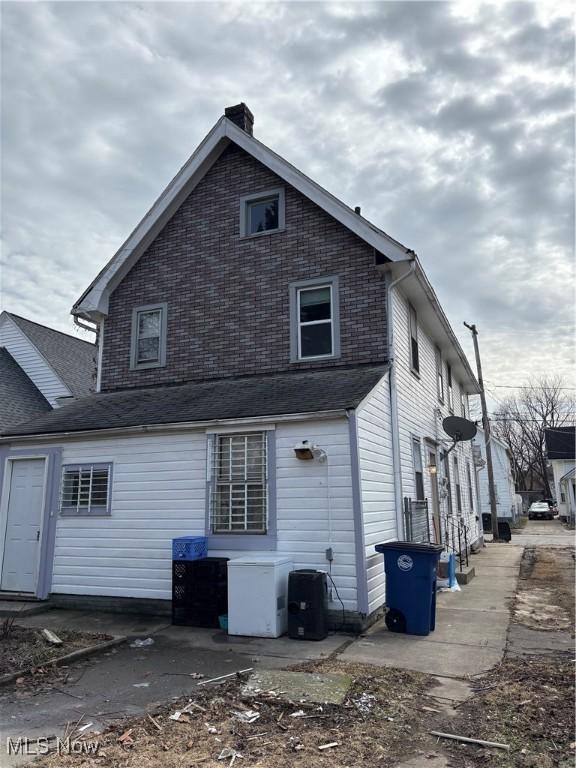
x=300, y=686
x=22, y=608
x=106, y=623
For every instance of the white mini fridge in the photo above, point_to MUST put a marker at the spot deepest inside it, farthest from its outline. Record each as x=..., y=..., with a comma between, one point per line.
x=258, y=595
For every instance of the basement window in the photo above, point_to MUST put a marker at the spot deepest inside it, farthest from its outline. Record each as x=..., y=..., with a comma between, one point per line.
x=148, y=343
x=85, y=490
x=262, y=213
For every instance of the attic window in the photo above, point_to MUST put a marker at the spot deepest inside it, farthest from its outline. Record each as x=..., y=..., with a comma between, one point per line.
x=414, y=351
x=262, y=213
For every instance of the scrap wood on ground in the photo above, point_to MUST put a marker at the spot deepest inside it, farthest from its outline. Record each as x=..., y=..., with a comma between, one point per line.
x=380, y=720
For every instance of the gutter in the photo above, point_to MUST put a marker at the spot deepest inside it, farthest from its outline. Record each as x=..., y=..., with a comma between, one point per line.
x=394, y=394
x=181, y=426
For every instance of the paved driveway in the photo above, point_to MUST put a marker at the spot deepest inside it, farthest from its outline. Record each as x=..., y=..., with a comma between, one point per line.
x=543, y=533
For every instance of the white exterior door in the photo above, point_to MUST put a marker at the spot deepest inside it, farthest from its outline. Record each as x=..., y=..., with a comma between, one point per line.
x=23, y=526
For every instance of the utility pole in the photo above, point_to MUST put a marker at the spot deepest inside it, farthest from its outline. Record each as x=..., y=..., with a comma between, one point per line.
x=487, y=441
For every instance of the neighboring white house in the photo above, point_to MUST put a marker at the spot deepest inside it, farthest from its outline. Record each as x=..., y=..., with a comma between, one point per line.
x=38, y=367
x=108, y=480
x=506, y=497
x=561, y=453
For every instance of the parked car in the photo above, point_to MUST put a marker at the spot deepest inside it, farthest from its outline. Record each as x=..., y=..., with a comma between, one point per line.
x=540, y=509
x=553, y=505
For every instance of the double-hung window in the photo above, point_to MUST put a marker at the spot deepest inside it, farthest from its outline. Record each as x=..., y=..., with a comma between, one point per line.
x=148, y=349
x=239, y=501
x=414, y=352
x=450, y=388
x=85, y=489
x=439, y=375
x=262, y=213
x=463, y=403
x=418, y=470
x=314, y=310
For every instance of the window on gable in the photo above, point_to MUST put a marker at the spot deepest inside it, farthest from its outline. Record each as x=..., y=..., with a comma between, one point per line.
x=85, y=489
x=450, y=387
x=439, y=375
x=414, y=354
x=315, y=319
x=239, y=493
x=261, y=213
x=418, y=470
x=149, y=336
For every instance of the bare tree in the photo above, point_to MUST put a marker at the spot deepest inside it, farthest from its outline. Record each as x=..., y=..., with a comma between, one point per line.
x=520, y=423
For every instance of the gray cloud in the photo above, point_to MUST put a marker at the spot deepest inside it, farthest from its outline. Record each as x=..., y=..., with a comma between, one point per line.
x=453, y=131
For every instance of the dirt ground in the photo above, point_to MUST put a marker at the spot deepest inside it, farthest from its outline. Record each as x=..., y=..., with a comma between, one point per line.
x=380, y=722
x=24, y=648
x=545, y=598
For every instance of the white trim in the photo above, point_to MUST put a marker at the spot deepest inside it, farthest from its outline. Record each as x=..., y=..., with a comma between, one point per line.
x=5, y=502
x=245, y=428
x=100, y=356
x=94, y=301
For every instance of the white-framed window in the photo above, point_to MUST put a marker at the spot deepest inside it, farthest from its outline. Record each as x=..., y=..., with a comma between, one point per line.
x=148, y=345
x=418, y=469
x=414, y=351
x=85, y=489
x=457, y=485
x=262, y=213
x=239, y=502
x=439, y=374
x=450, y=388
x=463, y=403
x=315, y=322
x=470, y=487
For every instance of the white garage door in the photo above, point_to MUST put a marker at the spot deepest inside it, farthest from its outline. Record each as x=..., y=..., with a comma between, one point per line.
x=23, y=523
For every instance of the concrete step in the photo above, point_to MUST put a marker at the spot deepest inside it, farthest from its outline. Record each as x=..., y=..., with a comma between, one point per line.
x=465, y=574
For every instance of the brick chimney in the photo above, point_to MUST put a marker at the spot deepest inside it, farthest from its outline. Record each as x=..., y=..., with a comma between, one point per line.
x=241, y=116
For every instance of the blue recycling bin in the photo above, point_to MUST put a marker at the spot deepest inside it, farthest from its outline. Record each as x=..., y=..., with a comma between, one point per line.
x=410, y=585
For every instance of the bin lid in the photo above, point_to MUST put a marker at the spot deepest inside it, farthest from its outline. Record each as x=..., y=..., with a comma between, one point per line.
x=409, y=546
x=263, y=560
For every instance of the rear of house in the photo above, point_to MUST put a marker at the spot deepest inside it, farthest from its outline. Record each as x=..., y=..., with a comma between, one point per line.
x=249, y=313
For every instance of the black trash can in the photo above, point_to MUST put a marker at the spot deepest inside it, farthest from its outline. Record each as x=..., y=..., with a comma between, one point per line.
x=410, y=585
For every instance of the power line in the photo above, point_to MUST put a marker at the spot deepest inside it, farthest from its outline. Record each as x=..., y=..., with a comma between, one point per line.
x=527, y=386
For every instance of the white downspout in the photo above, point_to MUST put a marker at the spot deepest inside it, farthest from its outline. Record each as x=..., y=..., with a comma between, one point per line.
x=394, y=398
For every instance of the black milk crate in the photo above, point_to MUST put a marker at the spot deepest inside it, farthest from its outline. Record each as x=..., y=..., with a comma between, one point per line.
x=199, y=591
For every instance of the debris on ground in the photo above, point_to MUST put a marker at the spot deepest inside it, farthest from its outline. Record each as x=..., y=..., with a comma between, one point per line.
x=51, y=637
x=219, y=722
x=27, y=648
x=142, y=642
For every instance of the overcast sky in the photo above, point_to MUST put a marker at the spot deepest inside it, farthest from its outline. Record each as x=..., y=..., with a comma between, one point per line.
x=451, y=125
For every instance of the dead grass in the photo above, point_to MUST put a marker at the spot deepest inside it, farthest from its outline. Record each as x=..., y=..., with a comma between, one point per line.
x=24, y=648
x=369, y=731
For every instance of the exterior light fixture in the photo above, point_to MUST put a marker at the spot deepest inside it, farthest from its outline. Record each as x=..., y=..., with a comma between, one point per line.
x=432, y=469
x=307, y=451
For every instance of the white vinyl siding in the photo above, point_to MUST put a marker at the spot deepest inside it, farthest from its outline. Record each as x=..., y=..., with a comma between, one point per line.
x=376, y=485
x=32, y=362
x=159, y=492
x=503, y=480
x=420, y=413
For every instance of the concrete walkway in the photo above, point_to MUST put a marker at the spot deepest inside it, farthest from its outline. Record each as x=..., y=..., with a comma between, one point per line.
x=471, y=625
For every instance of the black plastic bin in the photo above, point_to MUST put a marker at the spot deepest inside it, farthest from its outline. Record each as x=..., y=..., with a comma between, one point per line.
x=307, y=605
x=410, y=585
x=199, y=591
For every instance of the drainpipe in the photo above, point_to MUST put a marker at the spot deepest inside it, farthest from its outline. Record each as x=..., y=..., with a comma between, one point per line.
x=394, y=397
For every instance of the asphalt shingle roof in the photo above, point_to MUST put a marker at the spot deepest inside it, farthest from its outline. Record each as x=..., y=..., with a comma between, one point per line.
x=561, y=442
x=72, y=359
x=270, y=395
x=20, y=400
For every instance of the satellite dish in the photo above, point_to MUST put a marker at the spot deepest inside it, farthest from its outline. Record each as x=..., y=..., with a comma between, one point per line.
x=458, y=428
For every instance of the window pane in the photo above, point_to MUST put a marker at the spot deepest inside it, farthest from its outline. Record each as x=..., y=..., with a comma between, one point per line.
x=315, y=304
x=149, y=324
x=316, y=340
x=263, y=215
x=148, y=350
